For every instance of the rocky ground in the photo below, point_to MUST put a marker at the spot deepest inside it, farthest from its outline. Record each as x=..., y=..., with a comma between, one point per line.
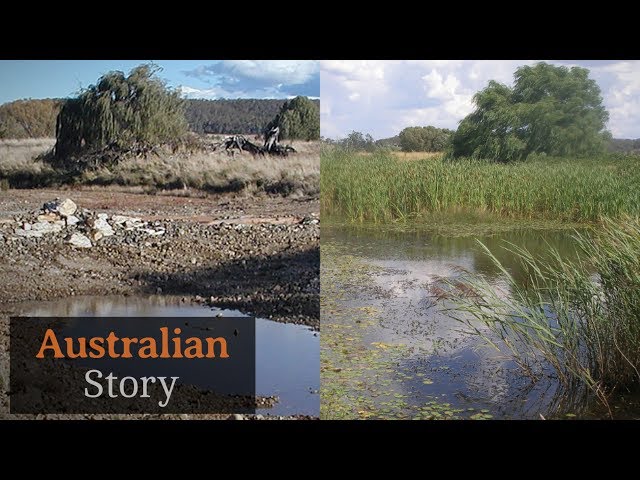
x=259, y=255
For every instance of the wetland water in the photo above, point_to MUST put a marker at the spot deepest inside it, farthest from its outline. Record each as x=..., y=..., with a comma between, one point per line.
x=287, y=355
x=389, y=350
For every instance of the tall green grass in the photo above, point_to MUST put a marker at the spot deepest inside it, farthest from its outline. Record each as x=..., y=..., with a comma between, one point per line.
x=382, y=188
x=581, y=317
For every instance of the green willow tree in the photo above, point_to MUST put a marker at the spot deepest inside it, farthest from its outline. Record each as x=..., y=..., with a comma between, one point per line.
x=424, y=139
x=299, y=119
x=551, y=109
x=356, y=141
x=120, y=112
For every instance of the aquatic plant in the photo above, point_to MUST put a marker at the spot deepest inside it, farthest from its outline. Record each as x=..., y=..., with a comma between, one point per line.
x=381, y=187
x=579, y=317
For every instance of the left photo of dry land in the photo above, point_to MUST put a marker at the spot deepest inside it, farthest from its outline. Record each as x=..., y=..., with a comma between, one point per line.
x=166, y=189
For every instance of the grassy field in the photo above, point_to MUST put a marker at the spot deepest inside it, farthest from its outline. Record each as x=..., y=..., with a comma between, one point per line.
x=382, y=187
x=298, y=174
x=407, y=155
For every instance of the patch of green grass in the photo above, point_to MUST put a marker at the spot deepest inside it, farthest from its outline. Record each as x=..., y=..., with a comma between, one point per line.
x=382, y=188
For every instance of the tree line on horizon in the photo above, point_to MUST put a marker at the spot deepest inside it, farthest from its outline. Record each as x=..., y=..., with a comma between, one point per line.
x=36, y=118
x=364, y=142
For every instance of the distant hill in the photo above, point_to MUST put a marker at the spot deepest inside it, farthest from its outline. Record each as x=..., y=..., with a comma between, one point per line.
x=625, y=145
x=231, y=116
x=29, y=118
x=249, y=116
x=37, y=118
x=392, y=142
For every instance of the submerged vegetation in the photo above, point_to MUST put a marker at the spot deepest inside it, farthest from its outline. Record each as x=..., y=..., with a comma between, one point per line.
x=362, y=375
x=382, y=188
x=581, y=317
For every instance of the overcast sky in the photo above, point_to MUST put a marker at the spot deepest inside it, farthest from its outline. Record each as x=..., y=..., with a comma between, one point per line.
x=381, y=97
x=195, y=78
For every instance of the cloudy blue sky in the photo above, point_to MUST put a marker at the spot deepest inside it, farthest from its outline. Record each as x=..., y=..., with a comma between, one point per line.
x=195, y=78
x=381, y=97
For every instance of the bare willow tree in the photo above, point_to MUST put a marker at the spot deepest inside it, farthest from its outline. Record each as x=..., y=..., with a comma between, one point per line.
x=118, y=114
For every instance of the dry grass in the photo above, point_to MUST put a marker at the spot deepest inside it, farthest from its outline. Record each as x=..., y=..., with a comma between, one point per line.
x=297, y=174
x=20, y=154
x=18, y=160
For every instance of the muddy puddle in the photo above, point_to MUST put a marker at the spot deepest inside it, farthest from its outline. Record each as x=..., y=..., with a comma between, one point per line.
x=287, y=355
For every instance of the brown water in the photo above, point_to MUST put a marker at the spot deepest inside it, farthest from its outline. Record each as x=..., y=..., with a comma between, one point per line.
x=390, y=351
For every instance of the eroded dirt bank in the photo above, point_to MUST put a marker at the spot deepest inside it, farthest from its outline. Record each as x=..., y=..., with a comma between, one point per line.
x=255, y=254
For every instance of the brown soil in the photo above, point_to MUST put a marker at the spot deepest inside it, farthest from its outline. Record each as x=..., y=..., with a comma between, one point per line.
x=256, y=254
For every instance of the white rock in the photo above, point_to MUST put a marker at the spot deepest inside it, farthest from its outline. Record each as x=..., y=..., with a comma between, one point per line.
x=118, y=219
x=67, y=207
x=27, y=233
x=96, y=235
x=103, y=216
x=103, y=226
x=48, y=217
x=26, y=226
x=134, y=223
x=79, y=240
x=151, y=231
x=72, y=220
x=46, y=227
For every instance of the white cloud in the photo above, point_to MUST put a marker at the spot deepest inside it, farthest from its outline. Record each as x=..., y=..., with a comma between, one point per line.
x=290, y=72
x=382, y=97
x=254, y=79
x=454, y=99
x=219, y=92
x=620, y=84
x=190, y=92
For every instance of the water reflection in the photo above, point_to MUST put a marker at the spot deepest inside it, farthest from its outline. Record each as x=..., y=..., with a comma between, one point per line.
x=287, y=355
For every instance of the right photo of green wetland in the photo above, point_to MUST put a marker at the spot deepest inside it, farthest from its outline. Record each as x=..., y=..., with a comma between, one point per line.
x=480, y=239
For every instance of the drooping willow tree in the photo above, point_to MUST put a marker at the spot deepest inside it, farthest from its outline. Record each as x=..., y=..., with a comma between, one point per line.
x=119, y=113
x=552, y=110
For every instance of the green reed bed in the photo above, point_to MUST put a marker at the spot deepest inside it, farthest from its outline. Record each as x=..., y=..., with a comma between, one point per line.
x=382, y=188
x=580, y=317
